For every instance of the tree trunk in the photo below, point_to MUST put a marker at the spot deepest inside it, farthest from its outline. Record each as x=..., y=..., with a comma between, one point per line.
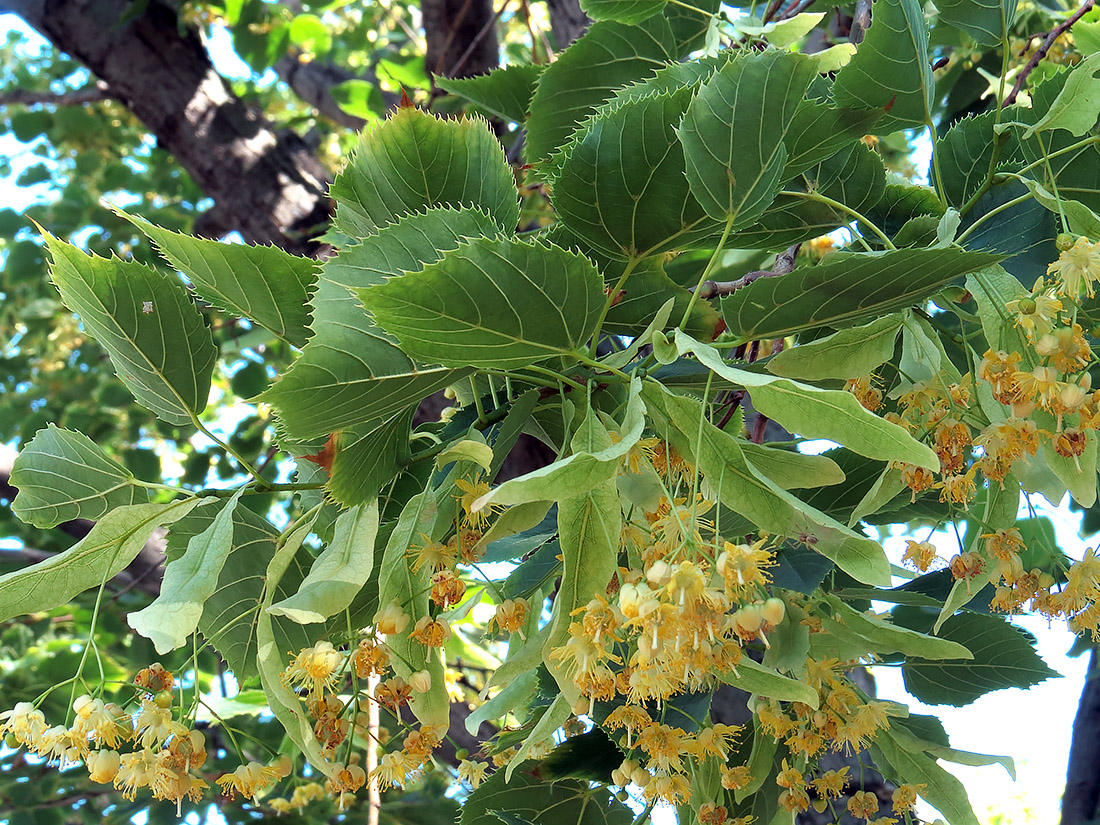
x=567, y=21
x=461, y=35
x=1082, y=795
x=266, y=184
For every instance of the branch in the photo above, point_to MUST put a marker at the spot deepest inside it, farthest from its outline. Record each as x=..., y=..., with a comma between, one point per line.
x=784, y=263
x=266, y=183
x=143, y=573
x=312, y=82
x=1082, y=793
x=1044, y=47
x=76, y=97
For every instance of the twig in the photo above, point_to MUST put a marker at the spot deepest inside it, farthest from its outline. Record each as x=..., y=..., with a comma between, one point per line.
x=76, y=97
x=783, y=264
x=795, y=10
x=772, y=9
x=1044, y=47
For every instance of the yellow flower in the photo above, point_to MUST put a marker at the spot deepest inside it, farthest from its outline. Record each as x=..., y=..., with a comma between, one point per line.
x=863, y=804
x=920, y=554
x=471, y=772
x=1077, y=267
x=471, y=492
x=905, y=797
x=1036, y=313
x=390, y=771
x=831, y=784
x=103, y=765
x=317, y=666
x=248, y=780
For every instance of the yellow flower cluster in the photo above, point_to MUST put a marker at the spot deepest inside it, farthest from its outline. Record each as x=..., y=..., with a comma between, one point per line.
x=164, y=756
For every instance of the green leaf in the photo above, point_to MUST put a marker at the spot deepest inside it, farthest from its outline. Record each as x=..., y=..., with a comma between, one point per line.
x=339, y=573
x=543, y=731
x=516, y=693
x=735, y=165
x=764, y=681
x=845, y=288
x=819, y=130
x=504, y=92
x=261, y=283
x=790, y=469
x=854, y=176
x=987, y=21
x=942, y=790
x=1078, y=474
x=188, y=582
x=588, y=532
x=816, y=413
x=848, y=353
x=229, y=616
x=351, y=372
x=647, y=291
x=113, y=542
x=992, y=288
x=284, y=702
x=491, y=303
x=1077, y=105
x=886, y=637
x=62, y=475
x=621, y=186
x=1004, y=657
x=359, y=98
x=583, y=469
x=165, y=356
x=742, y=488
x=414, y=161
x=1080, y=220
x=623, y=11
x=399, y=584
x=607, y=57
x=368, y=456
x=526, y=795
x=914, y=737
x=965, y=153
x=310, y=34
x=890, y=69
x=478, y=452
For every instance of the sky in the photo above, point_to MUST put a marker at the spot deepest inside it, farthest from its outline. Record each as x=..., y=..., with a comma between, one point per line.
x=1032, y=726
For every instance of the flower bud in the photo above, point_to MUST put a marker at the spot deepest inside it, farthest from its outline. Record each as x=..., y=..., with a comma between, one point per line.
x=391, y=620
x=421, y=681
x=774, y=610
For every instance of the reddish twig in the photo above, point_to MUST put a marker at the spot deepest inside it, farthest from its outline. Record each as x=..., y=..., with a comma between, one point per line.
x=1044, y=47
x=783, y=264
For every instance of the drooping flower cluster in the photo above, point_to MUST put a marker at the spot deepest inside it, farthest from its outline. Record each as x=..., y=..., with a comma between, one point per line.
x=142, y=746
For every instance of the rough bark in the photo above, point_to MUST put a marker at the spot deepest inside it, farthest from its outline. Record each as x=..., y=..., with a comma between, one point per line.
x=567, y=21
x=266, y=184
x=461, y=37
x=1081, y=798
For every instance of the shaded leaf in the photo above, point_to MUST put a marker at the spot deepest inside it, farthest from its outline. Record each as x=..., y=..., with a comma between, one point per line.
x=261, y=283
x=188, y=582
x=605, y=58
x=504, y=92
x=491, y=303
x=113, y=542
x=339, y=573
x=621, y=186
x=165, y=356
x=735, y=165
x=843, y=288
x=62, y=475
x=890, y=69
x=1004, y=656
x=415, y=161
x=351, y=372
